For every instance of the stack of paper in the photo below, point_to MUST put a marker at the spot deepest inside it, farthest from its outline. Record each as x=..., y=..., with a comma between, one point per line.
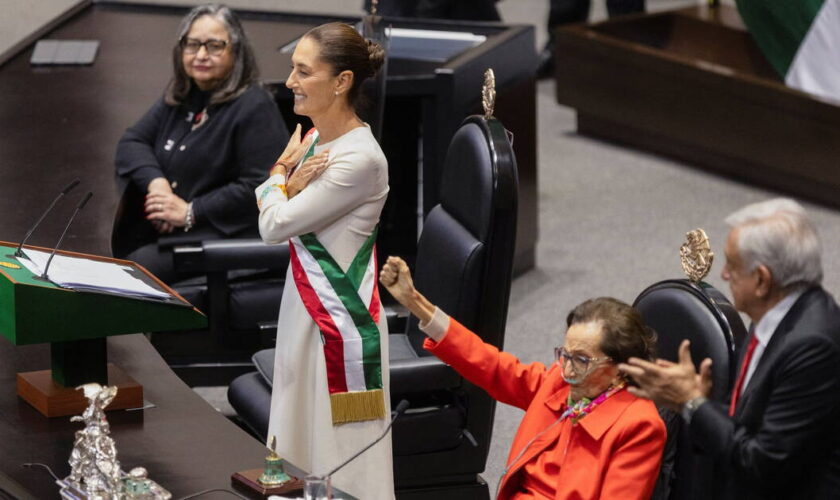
x=89, y=275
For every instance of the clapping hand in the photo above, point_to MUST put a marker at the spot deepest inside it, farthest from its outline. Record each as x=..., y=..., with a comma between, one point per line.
x=667, y=383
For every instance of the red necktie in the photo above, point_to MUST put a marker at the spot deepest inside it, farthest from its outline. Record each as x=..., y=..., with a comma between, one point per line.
x=736, y=391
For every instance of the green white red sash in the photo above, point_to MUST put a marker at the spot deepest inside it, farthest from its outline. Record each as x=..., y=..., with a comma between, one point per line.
x=345, y=306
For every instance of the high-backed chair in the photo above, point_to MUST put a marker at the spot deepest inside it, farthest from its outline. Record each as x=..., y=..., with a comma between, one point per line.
x=464, y=265
x=373, y=89
x=677, y=310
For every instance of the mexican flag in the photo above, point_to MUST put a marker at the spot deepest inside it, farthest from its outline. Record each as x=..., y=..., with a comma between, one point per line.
x=801, y=39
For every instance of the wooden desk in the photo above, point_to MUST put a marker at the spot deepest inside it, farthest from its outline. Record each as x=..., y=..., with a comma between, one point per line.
x=692, y=84
x=60, y=123
x=186, y=445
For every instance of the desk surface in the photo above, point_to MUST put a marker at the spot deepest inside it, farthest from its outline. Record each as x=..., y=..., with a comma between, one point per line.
x=186, y=445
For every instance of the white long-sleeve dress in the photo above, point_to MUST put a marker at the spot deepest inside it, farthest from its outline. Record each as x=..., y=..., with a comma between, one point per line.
x=342, y=208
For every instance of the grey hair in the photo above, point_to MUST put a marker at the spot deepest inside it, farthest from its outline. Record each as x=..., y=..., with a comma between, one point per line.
x=244, y=72
x=779, y=234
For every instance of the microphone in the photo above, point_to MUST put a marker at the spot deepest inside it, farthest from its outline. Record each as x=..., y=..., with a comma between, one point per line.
x=401, y=407
x=72, y=218
x=67, y=189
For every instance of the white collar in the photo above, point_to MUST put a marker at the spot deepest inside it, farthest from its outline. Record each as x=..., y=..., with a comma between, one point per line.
x=771, y=319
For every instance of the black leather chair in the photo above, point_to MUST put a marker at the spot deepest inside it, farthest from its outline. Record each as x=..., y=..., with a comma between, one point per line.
x=373, y=89
x=677, y=310
x=464, y=265
x=237, y=282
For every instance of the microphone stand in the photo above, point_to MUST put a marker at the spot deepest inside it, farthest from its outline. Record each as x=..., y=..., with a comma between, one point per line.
x=67, y=189
x=399, y=410
x=81, y=205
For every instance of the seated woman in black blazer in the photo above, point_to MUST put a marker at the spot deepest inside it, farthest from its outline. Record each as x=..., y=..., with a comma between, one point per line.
x=194, y=159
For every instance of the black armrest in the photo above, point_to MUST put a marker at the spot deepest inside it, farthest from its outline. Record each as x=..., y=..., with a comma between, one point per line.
x=418, y=374
x=424, y=374
x=397, y=317
x=264, y=362
x=251, y=397
x=179, y=238
x=229, y=255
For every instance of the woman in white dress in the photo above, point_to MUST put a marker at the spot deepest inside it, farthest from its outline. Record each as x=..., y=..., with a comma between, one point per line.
x=325, y=195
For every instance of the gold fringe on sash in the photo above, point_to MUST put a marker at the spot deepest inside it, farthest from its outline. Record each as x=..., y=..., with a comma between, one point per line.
x=357, y=406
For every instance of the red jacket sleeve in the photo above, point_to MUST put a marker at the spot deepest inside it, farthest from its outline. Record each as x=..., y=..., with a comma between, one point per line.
x=502, y=375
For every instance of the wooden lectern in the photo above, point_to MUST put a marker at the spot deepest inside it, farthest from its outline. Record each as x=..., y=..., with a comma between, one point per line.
x=76, y=324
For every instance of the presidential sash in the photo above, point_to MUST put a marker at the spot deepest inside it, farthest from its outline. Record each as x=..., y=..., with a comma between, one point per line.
x=345, y=306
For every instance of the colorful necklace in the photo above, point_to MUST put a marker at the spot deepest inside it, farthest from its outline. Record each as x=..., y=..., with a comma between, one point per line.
x=584, y=406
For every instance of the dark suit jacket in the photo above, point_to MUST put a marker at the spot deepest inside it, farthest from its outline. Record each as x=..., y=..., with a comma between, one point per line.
x=216, y=166
x=784, y=440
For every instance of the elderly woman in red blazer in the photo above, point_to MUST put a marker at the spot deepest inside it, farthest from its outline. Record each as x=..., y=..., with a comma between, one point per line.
x=583, y=435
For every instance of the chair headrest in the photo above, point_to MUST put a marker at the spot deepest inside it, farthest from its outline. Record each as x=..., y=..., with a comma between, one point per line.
x=679, y=309
x=471, y=171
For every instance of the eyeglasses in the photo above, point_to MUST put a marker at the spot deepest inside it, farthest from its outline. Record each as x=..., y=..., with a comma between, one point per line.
x=580, y=362
x=213, y=47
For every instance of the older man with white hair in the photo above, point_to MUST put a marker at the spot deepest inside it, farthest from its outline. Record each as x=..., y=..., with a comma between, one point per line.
x=779, y=436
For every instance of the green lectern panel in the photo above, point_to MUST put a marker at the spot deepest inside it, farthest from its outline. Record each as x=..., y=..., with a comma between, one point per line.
x=75, y=323
x=56, y=315
x=33, y=311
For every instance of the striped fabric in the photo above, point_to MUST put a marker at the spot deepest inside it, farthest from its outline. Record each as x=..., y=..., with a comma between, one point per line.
x=801, y=39
x=345, y=306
